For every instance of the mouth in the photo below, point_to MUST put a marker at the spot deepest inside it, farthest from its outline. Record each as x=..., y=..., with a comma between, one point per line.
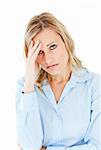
x=50, y=66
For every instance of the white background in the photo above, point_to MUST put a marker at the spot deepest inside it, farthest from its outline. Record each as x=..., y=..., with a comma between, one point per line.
x=82, y=19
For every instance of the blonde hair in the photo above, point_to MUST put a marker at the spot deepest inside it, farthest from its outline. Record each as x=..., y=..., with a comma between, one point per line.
x=46, y=20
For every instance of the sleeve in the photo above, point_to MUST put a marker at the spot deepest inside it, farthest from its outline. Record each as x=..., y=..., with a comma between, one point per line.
x=92, y=138
x=29, y=129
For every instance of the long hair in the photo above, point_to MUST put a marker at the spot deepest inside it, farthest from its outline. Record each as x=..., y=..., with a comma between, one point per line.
x=46, y=20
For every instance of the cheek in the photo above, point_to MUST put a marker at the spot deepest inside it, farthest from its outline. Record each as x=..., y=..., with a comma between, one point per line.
x=64, y=57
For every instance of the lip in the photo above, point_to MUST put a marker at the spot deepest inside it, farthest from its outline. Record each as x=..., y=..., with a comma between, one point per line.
x=50, y=66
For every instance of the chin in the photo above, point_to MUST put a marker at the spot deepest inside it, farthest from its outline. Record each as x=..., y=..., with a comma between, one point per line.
x=53, y=73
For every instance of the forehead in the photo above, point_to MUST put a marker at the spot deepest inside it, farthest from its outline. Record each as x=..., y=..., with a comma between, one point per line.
x=47, y=35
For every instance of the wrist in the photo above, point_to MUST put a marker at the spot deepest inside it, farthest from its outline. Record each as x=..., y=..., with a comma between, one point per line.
x=28, y=88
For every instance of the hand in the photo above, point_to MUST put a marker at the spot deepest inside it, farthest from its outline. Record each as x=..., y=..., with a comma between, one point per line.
x=32, y=67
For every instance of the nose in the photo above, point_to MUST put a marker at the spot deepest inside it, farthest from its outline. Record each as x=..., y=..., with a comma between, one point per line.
x=48, y=58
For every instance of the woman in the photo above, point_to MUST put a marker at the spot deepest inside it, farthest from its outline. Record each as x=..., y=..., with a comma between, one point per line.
x=58, y=100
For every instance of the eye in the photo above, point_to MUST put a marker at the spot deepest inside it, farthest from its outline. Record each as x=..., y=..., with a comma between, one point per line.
x=53, y=46
x=40, y=52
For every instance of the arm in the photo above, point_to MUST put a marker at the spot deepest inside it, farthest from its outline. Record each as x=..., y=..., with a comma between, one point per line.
x=93, y=134
x=29, y=129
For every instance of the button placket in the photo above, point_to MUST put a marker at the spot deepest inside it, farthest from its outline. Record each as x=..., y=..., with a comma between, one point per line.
x=60, y=121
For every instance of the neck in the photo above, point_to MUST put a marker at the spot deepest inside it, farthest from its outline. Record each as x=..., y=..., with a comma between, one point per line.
x=63, y=77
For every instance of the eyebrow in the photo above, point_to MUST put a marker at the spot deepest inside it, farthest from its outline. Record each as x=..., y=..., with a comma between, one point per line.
x=50, y=43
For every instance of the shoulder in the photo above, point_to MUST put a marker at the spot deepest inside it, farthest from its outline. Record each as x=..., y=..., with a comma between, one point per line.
x=84, y=74
x=95, y=84
x=91, y=79
x=95, y=79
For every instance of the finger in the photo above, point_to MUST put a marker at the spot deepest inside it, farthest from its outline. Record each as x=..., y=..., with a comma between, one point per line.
x=35, y=53
x=31, y=44
x=30, y=48
x=33, y=48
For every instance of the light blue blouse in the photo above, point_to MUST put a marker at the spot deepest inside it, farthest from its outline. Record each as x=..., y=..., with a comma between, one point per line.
x=71, y=124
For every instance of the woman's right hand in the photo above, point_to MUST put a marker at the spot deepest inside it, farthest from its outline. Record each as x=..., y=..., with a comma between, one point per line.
x=32, y=67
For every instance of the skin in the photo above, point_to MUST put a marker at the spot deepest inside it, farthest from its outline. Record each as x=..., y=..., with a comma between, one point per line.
x=53, y=51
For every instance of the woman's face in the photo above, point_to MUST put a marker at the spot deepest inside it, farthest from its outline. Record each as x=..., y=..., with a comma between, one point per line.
x=53, y=56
